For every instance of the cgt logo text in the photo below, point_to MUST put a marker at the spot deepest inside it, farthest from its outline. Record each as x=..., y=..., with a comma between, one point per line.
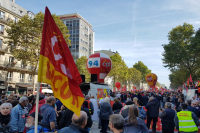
x=149, y=79
x=106, y=63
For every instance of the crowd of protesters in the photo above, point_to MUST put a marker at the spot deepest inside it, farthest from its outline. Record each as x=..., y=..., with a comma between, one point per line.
x=126, y=113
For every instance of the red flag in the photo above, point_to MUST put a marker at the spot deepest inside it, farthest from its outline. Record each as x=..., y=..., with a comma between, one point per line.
x=190, y=78
x=57, y=67
x=188, y=82
x=40, y=88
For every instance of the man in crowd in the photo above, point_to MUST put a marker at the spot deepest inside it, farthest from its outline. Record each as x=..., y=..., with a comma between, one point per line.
x=167, y=117
x=191, y=107
x=49, y=114
x=95, y=105
x=152, y=112
x=186, y=121
x=90, y=105
x=101, y=100
x=178, y=105
x=78, y=124
x=30, y=123
x=145, y=99
x=116, y=123
x=18, y=119
x=66, y=119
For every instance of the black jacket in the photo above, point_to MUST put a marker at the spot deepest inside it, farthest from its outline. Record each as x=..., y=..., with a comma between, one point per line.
x=145, y=100
x=66, y=119
x=152, y=108
x=167, y=117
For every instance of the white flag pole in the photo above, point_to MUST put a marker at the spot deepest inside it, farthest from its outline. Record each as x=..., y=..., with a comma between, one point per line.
x=37, y=104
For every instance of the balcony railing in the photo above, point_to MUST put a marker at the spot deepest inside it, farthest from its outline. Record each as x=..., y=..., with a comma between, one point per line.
x=17, y=66
x=4, y=18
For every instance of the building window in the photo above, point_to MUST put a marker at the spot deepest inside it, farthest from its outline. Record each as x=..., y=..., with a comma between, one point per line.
x=1, y=29
x=11, y=59
x=30, y=78
x=15, y=19
x=20, y=12
x=2, y=15
x=22, y=75
x=9, y=76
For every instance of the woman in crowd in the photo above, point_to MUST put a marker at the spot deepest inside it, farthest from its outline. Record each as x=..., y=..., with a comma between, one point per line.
x=133, y=124
x=117, y=106
x=5, y=117
x=105, y=112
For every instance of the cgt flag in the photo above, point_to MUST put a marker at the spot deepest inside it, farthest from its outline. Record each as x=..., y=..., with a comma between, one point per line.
x=57, y=67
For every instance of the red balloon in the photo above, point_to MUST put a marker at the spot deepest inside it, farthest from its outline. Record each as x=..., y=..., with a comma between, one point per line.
x=117, y=84
x=99, y=64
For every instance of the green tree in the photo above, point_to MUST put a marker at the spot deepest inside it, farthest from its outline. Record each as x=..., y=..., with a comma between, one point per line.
x=81, y=65
x=183, y=50
x=158, y=84
x=134, y=76
x=119, y=71
x=24, y=38
x=140, y=66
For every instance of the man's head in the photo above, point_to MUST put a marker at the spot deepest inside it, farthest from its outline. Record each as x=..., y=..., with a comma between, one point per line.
x=193, y=103
x=107, y=99
x=30, y=121
x=168, y=105
x=87, y=97
x=103, y=96
x=116, y=122
x=92, y=97
x=51, y=101
x=81, y=120
x=151, y=98
x=184, y=106
x=197, y=103
x=188, y=102
x=181, y=99
x=23, y=101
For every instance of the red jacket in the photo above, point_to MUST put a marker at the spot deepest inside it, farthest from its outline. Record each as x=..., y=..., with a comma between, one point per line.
x=41, y=102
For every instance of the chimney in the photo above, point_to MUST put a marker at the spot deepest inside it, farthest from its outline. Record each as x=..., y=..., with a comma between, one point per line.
x=13, y=1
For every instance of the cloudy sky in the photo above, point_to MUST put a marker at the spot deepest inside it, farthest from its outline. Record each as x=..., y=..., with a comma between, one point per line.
x=135, y=28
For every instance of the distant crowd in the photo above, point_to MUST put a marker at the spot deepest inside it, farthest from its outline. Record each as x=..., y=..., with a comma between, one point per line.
x=125, y=112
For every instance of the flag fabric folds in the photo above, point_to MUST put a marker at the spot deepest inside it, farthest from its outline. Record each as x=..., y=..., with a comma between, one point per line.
x=190, y=78
x=57, y=67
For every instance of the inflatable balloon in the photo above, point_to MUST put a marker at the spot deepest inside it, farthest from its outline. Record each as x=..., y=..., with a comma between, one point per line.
x=151, y=79
x=99, y=64
x=117, y=85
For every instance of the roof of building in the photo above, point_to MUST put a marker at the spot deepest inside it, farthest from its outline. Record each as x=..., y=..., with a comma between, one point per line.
x=107, y=52
x=74, y=15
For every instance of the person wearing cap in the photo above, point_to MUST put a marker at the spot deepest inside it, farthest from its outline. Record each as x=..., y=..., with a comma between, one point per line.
x=30, y=123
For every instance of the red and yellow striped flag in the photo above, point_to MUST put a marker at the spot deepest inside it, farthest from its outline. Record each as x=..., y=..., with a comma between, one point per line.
x=57, y=67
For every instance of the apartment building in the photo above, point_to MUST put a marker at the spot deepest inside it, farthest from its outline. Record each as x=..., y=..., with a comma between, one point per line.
x=14, y=75
x=81, y=35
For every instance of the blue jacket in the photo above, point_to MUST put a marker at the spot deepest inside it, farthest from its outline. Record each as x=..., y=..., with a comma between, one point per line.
x=194, y=110
x=72, y=129
x=32, y=129
x=18, y=119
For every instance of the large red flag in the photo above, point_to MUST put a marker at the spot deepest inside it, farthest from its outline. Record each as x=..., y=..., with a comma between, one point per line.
x=57, y=67
x=190, y=78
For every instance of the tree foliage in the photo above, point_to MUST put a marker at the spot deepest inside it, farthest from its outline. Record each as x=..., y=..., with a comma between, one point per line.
x=81, y=65
x=134, y=76
x=24, y=37
x=140, y=66
x=119, y=69
x=183, y=52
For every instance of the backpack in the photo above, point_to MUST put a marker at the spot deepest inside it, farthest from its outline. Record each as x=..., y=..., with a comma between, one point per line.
x=142, y=113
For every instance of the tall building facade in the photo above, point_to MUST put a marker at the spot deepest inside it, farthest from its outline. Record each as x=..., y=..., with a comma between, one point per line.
x=81, y=35
x=14, y=75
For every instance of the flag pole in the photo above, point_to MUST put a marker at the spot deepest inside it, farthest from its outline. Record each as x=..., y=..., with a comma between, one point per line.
x=36, y=111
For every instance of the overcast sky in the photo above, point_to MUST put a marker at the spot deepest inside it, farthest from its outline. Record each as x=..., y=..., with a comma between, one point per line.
x=135, y=28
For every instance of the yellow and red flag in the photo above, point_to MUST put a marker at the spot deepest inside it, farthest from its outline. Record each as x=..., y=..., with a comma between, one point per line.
x=57, y=67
